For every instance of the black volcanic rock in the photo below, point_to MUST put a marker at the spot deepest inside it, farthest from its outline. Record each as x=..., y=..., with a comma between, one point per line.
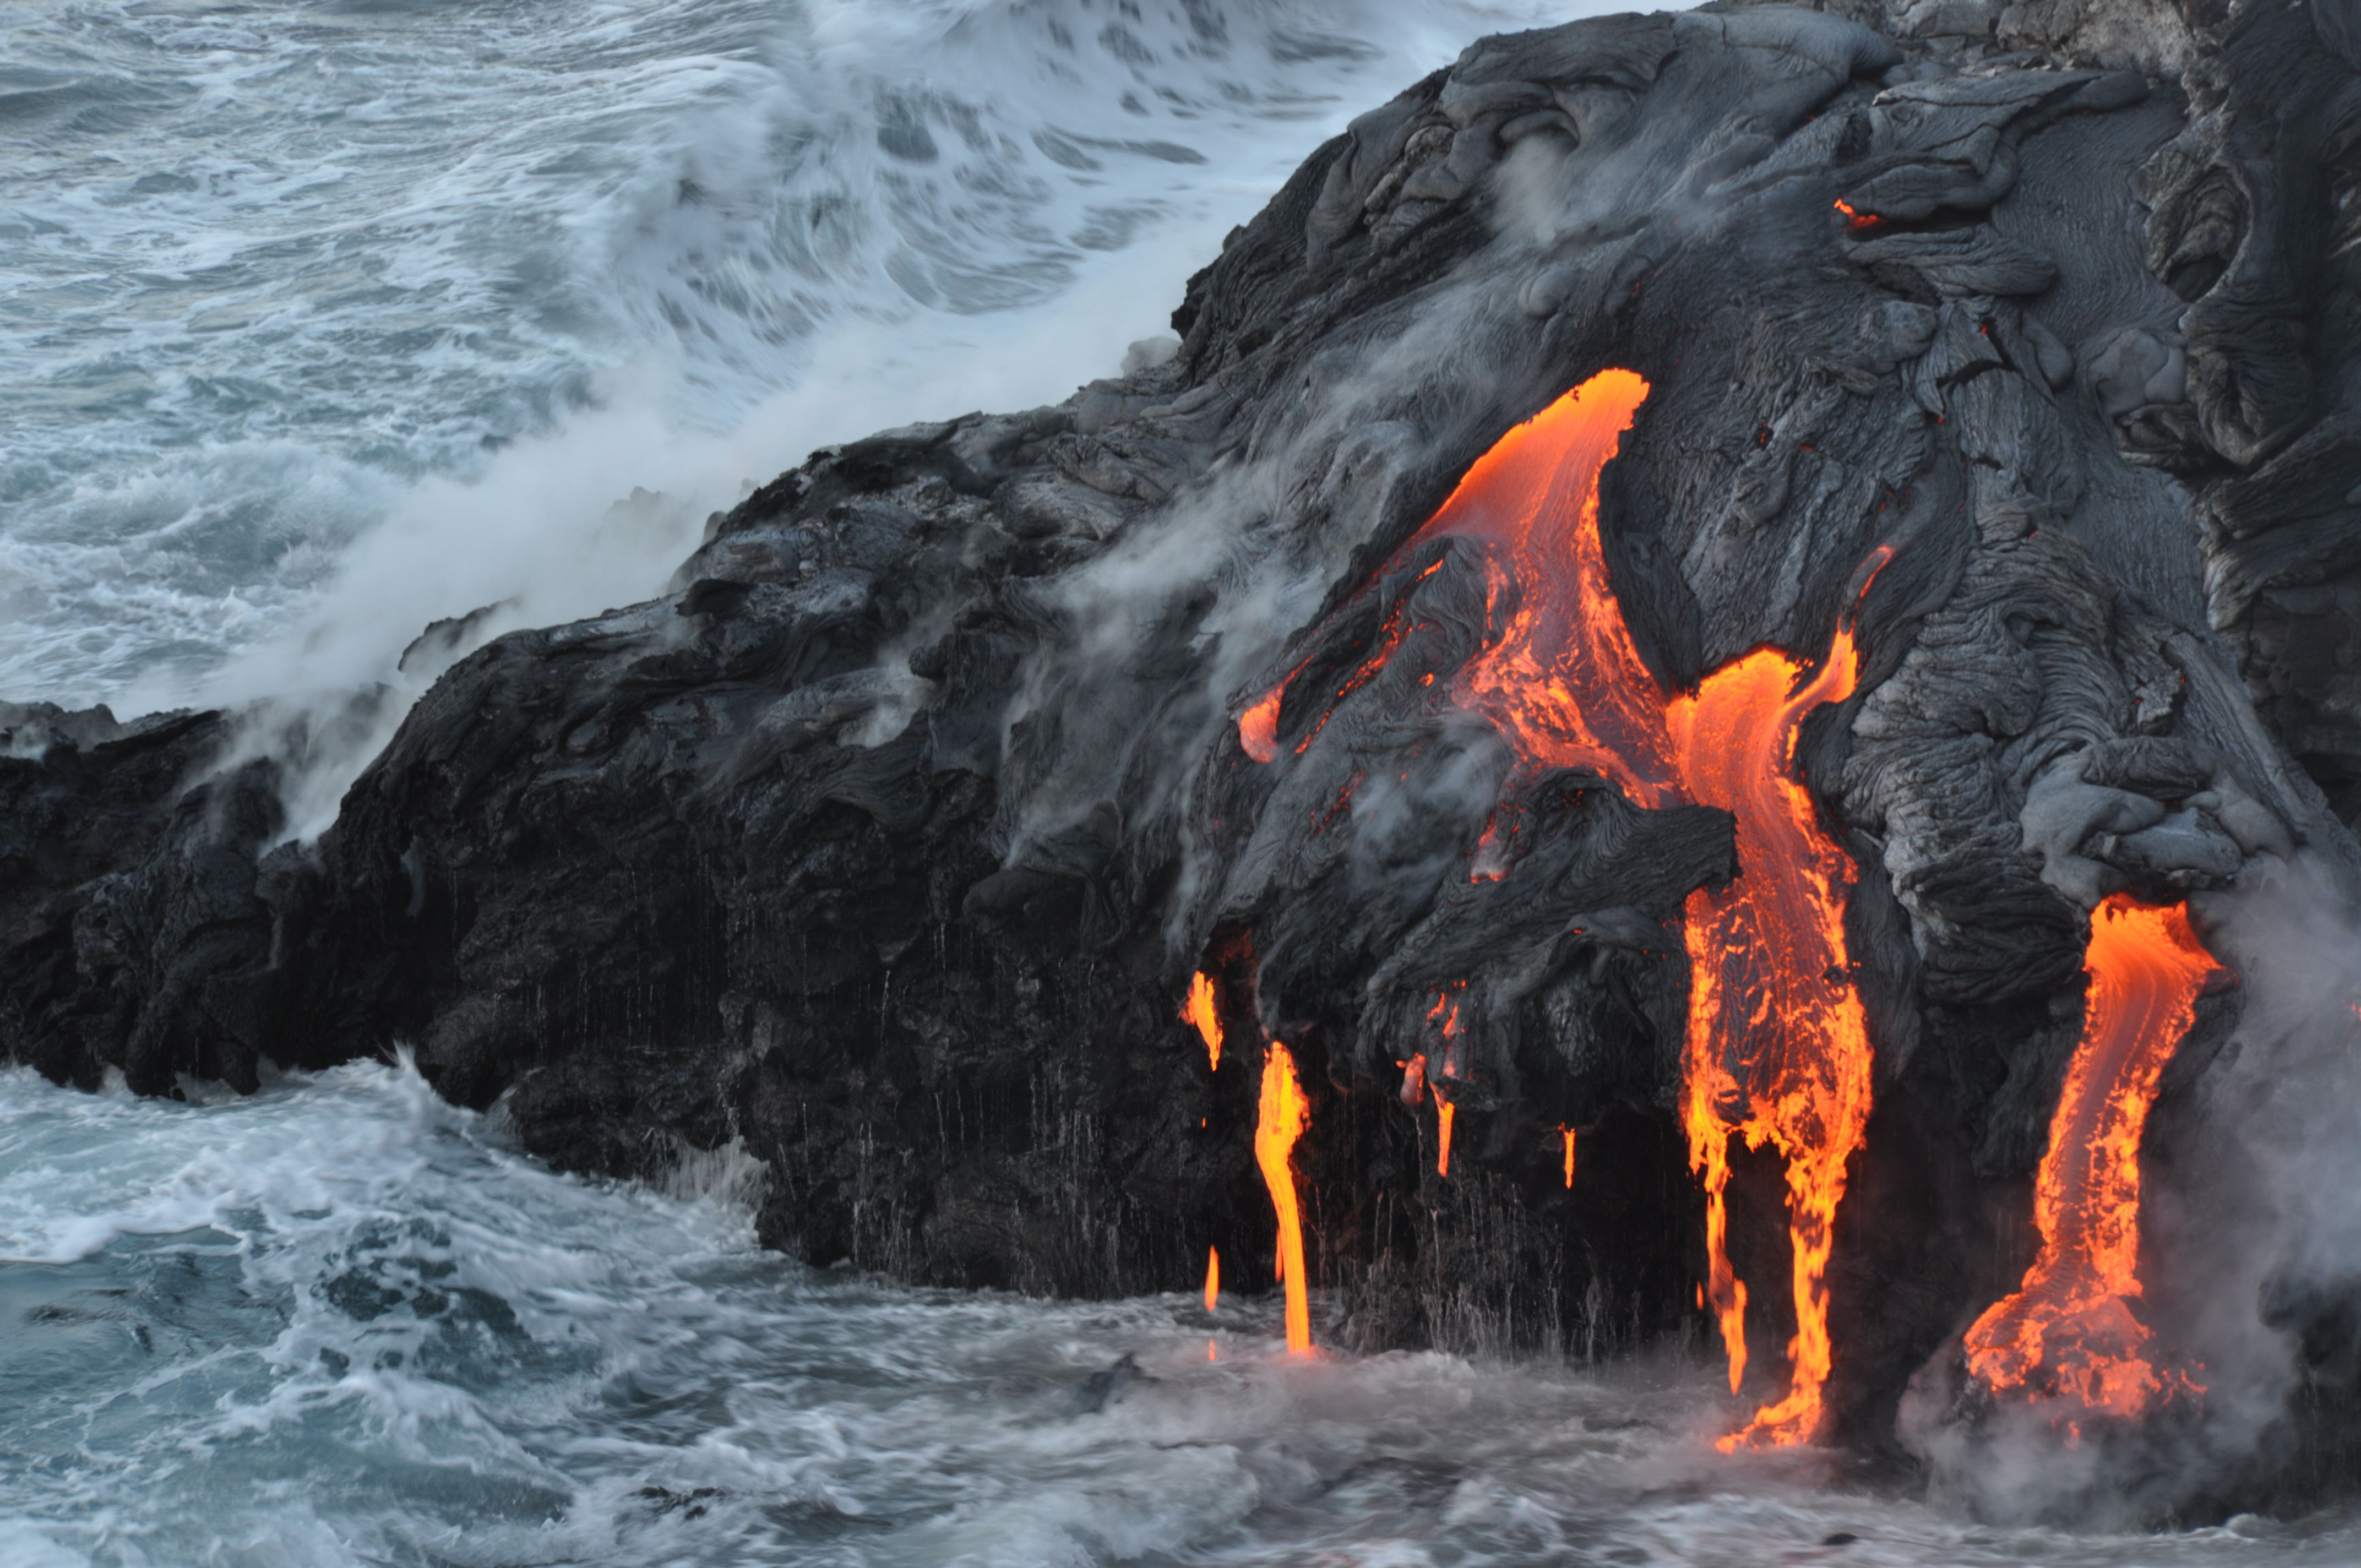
x=883, y=845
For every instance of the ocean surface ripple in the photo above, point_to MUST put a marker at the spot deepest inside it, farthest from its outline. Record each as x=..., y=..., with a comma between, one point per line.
x=342, y=1322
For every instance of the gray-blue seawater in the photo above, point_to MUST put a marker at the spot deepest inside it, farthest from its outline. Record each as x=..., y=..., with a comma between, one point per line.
x=342, y=1322
x=322, y=321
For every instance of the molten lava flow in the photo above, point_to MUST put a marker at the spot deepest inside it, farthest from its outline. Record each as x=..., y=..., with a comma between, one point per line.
x=1199, y=1012
x=1213, y=1278
x=1259, y=726
x=1565, y=681
x=1442, y=1109
x=1284, y=1118
x=1569, y=1157
x=1778, y=1047
x=2071, y=1323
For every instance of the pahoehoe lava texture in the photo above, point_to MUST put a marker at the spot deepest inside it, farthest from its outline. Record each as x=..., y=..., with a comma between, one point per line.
x=884, y=843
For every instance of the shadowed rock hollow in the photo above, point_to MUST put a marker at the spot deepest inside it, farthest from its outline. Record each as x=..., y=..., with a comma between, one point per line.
x=882, y=846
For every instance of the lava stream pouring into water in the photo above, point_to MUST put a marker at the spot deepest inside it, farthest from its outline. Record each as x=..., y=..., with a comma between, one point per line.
x=1283, y=1118
x=2070, y=1331
x=1565, y=681
x=1778, y=1048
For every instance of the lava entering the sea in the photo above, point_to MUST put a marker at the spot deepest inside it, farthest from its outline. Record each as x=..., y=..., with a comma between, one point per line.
x=1778, y=1047
x=1282, y=1119
x=1789, y=1065
x=2068, y=1331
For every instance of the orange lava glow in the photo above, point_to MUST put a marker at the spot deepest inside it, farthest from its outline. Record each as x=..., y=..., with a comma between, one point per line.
x=1284, y=1118
x=1566, y=682
x=1569, y=1155
x=1259, y=726
x=1200, y=1011
x=2068, y=1331
x=1778, y=1047
x=1777, y=1050
x=1442, y=1109
x=1858, y=219
x=1213, y=1278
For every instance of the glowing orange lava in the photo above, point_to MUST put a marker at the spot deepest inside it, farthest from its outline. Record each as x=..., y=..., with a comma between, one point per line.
x=1259, y=726
x=1857, y=219
x=1442, y=1109
x=2070, y=1330
x=1778, y=1047
x=1569, y=1155
x=1213, y=1278
x=1565, y=682
x=1792, y=1066
x=1284, y=1118
x=1200, y=1011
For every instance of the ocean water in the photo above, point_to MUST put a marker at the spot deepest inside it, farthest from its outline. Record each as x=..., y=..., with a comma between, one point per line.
x=341, y=1322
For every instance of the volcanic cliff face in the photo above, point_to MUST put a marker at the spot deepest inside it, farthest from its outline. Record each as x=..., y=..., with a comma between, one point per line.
x=1690, y=804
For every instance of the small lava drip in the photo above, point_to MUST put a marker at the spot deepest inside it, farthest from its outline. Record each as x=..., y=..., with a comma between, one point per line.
x=1199, y=1010
x=1283, y=1118
x=1778, y=1047
x=1259, y=726
x=1569, y=1157
x=2068, y=1331
x=1442, y=1109
x=1213, y=1278
x=1857, y=221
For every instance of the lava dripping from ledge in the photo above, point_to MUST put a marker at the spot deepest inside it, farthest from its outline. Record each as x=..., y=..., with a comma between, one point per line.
x=2068, y=1331
x=1778, y=1047
x=1202, y=1010
x=1283, y=1118
x=1567, y=686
